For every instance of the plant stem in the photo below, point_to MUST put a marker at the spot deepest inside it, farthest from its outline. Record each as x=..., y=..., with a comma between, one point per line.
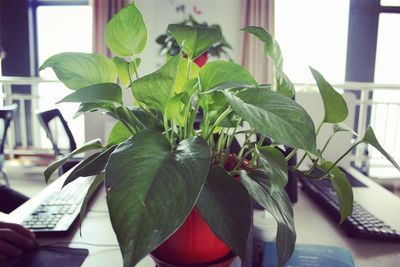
x=327, y=142
x=219, y=119
x=344, y=155
x=231, y=136
x=291, y=154
x=134, y=67
x=305, y=154
x=192, y=118
x=243, y=158
x=186, y=117
x=188, y=69
x=166, y=128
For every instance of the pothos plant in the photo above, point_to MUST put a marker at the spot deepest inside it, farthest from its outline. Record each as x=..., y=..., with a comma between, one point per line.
x=158, y=165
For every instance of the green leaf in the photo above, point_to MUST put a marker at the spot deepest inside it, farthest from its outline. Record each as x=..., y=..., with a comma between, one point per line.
x=342, y=187
x=271, y=47
x=341, y=127
x=283, y=84
x=274, y=164
x=93, y=165
x=125, y=69
x=152, y=119
x=152, y=188
x=91, y=107
x=98, y=93
x=334, y=104
x=217, y=72
x=278, y=204
x=182, y=76
x=156, y=88
x=275, y=116
x=118, y=134
x=98, y=180
x=195, y=40
x=78, y=70
x=126, y=33
x=226, y=207
x=91, y=145
x=175, y=109
x=71, y=176
x=370, y=139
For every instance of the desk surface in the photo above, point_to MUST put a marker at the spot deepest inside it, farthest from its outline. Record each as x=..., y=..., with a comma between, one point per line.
x=312, y=225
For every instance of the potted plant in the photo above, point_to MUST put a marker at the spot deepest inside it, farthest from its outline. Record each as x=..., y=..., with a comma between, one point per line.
x=164, y=173
x=171, y=48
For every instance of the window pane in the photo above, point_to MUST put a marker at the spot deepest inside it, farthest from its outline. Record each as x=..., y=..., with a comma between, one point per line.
x=390, y=2
x=386, y=110
x=62, y=29
x=313, y=33
x=388, y=49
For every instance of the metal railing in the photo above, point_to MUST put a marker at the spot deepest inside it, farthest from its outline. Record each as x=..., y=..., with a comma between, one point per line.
x=377, y=105
x=7, y=97
x=369, y=110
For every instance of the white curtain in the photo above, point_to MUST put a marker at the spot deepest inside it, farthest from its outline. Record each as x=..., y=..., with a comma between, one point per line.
x=257, y=13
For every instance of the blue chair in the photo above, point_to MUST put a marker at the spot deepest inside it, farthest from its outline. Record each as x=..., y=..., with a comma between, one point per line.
x=45, y=118
x=6, y=114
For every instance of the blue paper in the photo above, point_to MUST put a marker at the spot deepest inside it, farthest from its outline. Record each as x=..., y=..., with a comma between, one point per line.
x=306, y=255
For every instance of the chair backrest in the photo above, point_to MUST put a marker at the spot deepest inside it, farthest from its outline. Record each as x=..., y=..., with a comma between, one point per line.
x=6, y=114
x=44, y=118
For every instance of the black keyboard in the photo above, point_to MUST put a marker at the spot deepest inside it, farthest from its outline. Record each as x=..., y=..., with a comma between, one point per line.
x=361, y=223
x=59, y=210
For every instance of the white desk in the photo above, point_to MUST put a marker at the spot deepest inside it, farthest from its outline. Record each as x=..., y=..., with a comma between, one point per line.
x=312, y=227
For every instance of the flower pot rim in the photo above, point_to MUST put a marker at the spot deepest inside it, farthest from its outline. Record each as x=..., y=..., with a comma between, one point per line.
x=228, y=259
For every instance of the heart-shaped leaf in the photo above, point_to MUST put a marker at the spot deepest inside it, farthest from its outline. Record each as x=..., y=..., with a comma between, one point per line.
x=182, y=75
x=274, y=164
x=91, y=145
x=342, y=188
x=126, y=33
x=91, y=107
x=283, y=84
x=98, y=93
x=226, y=207
x=195, y=40
x=218, y=72
x=98, y=180
x=272, y=49
x=152, y=188
x=93, y=165
x=156, y=88
x=275, y=116
x=334, y=104
x=118, y=134
x=341, y=127
x=278, y=204
x=370, y=139
x=79, y=70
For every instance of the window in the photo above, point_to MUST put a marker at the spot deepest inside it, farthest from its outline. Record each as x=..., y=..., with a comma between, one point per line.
x=312, y=33
x=60, y=26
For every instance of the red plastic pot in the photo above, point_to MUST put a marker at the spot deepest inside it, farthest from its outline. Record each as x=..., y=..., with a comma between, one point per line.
x=193, y=244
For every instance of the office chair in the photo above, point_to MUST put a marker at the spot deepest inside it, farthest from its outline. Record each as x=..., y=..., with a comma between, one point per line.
x=6, y=114
x=45, y=118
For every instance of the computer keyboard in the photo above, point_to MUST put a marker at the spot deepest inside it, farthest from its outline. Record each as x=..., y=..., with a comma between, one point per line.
x=361, y=223
x=59, y=210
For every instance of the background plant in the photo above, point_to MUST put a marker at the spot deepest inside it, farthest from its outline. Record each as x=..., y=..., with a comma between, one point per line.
x=159, y=161
x=170, y=47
